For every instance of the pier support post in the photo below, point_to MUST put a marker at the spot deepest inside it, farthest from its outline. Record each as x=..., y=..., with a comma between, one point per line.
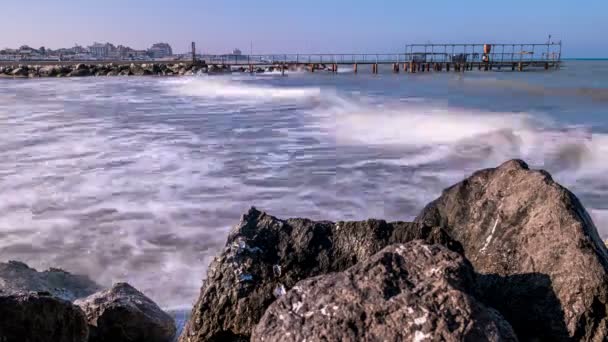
x=251, y=68
x=447, y=67
x=546, y=65
x=520, y=66
x=405, y=69
x=396, y=68
x=355, y=67
x=513, y=67
x=412, y=67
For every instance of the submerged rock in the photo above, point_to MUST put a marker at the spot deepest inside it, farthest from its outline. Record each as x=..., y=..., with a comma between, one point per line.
x=17, y=277
x=265, y=257
x=124, y=314
x=411, y=292
x=542, y=263
x=39, y=317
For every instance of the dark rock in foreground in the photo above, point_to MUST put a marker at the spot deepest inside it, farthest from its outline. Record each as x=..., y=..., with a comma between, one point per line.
x=542, y=262
x=124, y=314
x=265, y=257
x=38, y=317
x=18, y=277
x=411, y=292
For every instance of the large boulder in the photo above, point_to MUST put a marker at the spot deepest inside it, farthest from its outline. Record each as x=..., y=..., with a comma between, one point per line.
x=542, y=263
x=80, y=72
x=18, y=277
x=265, y=256
x=21, y=71
x=40, y=317
x=124, y=314
x=48, y=71
x=411, y=292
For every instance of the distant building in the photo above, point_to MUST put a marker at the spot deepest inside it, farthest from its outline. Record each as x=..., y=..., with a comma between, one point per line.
x=102, y=50
x=237, y=52
x=160, y=50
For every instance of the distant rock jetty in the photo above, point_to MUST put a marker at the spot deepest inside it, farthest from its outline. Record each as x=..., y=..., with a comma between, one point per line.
x=112, y=69
x=84, y=70
x=506, y=255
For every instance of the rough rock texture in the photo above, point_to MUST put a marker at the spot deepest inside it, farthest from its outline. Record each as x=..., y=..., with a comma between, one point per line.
x=542, y=262
x=124, y=314
x=18, y=277
x=265, y=256
x=110, y=69
x=39, y=317
x=411, y=292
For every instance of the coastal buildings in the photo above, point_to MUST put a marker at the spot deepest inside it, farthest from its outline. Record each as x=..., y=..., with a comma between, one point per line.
x=96, y=51
x=101, y=50
x=160, y=50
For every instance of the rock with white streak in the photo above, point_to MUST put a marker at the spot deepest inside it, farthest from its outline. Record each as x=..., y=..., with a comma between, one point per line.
x=406, y=292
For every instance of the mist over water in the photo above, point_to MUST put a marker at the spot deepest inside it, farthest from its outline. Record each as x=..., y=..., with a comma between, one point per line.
x=140, y=179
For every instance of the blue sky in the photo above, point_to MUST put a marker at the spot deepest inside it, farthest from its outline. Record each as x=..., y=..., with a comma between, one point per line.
x=304, y=26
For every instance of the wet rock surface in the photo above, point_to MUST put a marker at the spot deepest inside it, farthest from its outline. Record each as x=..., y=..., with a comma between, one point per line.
x=17, y=277
x=110, y=69
x=40, y=317
x=265, y=257
x=123, y=69
x=406, y=292
x=542, y=263
x=122, y=313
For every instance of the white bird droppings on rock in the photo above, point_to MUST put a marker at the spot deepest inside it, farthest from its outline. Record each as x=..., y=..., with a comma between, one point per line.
x=276, y=270
x=419, y=336
x=295, y=307
x=420, y=320
x=279, y=291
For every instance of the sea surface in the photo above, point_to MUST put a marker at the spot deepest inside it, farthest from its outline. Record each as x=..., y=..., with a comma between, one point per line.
x=140, y=179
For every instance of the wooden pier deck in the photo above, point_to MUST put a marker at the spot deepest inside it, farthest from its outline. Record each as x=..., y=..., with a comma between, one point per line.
x=415, y=58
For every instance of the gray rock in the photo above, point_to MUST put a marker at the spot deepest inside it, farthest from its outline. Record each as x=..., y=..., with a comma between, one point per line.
x=48, y=71
x=16, y=277
x=39, y=317
x=20, y=72
x=124, y=314
x=243, y=281
x=80, y=72
x=542, y=263
x=411, y=292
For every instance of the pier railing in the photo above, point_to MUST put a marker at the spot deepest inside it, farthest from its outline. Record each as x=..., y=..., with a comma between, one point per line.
x=420, y=53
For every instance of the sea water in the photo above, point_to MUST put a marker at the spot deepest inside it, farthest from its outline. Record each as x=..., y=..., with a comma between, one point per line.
x=140, y=179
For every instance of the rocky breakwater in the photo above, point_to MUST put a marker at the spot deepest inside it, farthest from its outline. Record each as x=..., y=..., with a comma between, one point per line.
x=55, y=305
x=508, y=254
x=82, y=70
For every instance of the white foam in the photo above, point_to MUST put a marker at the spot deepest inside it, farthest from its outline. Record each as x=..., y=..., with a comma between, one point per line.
x=230, y=89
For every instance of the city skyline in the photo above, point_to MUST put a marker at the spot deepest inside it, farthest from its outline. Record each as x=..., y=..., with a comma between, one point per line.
x=314, y=26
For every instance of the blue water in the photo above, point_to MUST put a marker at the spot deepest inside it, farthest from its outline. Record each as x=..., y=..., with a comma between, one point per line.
x=140, y=179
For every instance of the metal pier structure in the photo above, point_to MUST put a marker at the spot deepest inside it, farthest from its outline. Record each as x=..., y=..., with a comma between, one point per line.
x=415, y=58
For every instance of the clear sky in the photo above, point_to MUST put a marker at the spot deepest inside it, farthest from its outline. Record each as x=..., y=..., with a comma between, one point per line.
x=304, y=26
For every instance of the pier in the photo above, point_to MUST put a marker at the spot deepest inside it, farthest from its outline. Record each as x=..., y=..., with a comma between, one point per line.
x=415, y=58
